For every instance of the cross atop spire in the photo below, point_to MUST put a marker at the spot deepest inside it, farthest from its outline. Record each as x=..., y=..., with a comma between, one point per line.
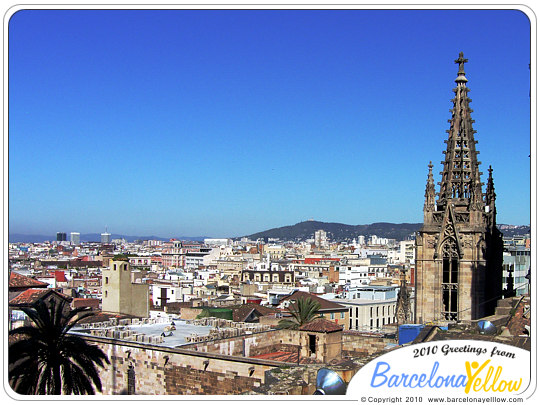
x=461, y=79
x=461, y=60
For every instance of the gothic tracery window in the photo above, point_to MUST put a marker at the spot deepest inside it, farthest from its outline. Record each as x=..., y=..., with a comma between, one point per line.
x=450, y=270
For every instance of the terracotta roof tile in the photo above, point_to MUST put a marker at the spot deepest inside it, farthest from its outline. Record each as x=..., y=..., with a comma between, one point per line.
x=17, y=280
x=321, y=325
x=86, y=302
x=325, y=304
x=30, y=296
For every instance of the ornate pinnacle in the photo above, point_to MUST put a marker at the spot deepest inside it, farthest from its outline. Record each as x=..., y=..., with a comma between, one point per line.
x=490, y=188
x=430, y=190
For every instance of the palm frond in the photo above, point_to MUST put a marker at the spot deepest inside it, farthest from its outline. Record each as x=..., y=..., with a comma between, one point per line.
x=46, y=359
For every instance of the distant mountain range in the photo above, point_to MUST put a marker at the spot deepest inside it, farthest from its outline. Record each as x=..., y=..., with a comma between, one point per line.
x=300, y=231
x=338, y=232
x=93, y=237
x=342, y=232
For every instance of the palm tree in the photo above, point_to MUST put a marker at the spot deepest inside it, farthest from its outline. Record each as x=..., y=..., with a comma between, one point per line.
x=304, y=311
x=45, y=359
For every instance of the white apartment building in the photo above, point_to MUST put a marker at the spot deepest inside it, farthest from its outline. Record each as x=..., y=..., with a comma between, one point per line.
x=370, y=307
x=321, y=241
x=217, y=242
x=163, y=294
x=75, y=238
x=404, y=253
x=354, y=276
x=375, y=240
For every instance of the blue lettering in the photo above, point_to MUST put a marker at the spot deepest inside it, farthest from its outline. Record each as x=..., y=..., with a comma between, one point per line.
x=393, y=381
x=461, y=381
x=381, y=374
x=433, y=372
x=422, y=379
x=413, y=377
x=381, y=377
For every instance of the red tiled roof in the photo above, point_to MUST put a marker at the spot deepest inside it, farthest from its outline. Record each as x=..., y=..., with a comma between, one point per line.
x=30, y=296
x=85, y=302
x=60, y=276
x=279, y=356
x=17, y=280
x=241, y=312
x=321, y=325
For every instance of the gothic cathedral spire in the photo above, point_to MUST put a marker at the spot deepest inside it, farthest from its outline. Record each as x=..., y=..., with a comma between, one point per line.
x=459, y=248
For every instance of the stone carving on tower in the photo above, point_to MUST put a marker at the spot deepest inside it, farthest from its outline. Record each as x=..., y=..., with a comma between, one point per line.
x=459, y=248
x=403, y=305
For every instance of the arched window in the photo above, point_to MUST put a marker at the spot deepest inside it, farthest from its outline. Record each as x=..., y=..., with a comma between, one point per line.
x=450, y=274
x=131, y=380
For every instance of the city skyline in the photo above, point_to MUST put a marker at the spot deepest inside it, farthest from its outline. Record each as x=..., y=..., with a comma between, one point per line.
x=224, y=123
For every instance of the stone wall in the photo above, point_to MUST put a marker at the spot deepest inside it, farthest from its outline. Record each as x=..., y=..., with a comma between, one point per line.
x=157, y=370
x=358, y=344
x=190, y=313
x=251, y=345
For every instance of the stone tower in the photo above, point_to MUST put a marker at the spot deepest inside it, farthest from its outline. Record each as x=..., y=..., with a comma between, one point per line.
x=120, y=295
x=459, y=248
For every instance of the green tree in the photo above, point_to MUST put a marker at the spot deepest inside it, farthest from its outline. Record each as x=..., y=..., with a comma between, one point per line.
x=45, y=359
x=303, y=311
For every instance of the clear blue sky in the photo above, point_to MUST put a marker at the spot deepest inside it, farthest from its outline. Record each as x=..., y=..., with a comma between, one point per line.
x=226, y=123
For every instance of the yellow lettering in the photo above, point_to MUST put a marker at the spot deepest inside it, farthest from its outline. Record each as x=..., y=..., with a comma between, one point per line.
x=497, y=374
x=515, y=387
x=477, y=383
x=488, y=376
x=470, y=375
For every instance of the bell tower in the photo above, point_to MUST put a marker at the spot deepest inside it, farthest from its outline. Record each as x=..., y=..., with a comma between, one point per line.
x=459, y=248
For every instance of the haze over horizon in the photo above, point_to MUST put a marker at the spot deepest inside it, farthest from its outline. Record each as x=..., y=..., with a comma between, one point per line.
x=225, y=123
